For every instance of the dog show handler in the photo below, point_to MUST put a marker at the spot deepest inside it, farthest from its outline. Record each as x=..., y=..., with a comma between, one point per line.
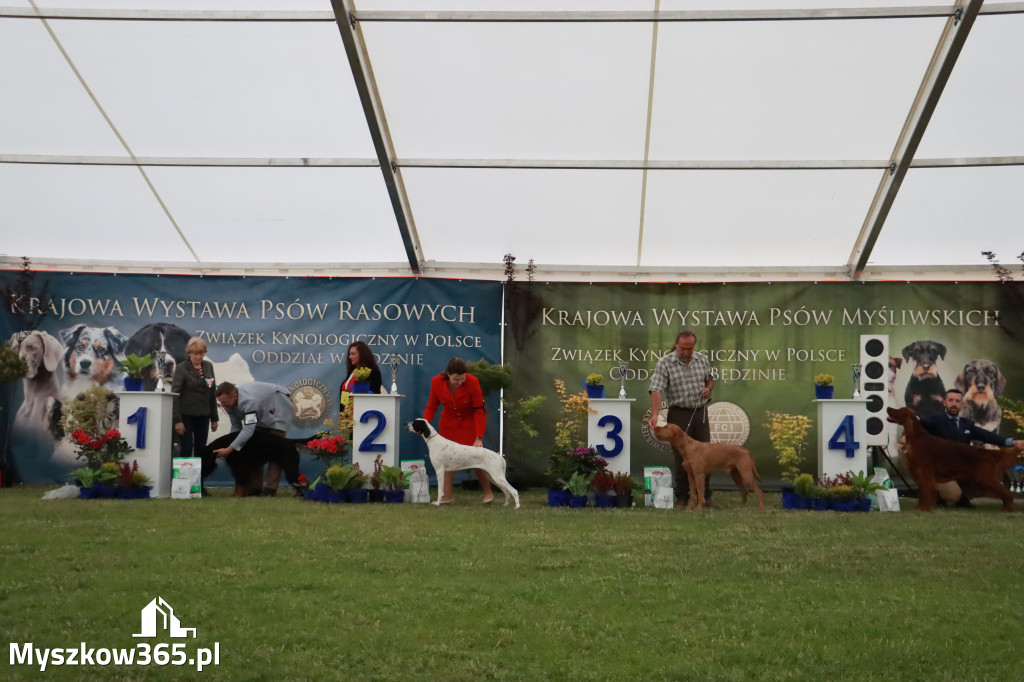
x=260, y=415
x=462, y=417
x=952, y=426
x=682, y=382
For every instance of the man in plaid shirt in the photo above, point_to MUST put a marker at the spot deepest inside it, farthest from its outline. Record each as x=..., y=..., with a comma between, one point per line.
x=682, y=382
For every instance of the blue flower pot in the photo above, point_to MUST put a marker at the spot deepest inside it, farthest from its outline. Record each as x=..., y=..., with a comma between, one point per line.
x=88, y=493
x=360, y=387
x=577, y=501
x=823, y=392
x=789, y=500
x=394, y=496
x=106, y=492
x=558, y=498
x=864, y=504
x=821, y=505
x=801, y=502
x=132, y=384
x=604, y=500
x=358, y=495
x=595, y=391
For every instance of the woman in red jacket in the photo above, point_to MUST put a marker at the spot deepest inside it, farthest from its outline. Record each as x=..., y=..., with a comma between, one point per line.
x=462, y=417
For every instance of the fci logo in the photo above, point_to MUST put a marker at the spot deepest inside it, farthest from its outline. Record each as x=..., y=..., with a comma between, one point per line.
x=158, y=614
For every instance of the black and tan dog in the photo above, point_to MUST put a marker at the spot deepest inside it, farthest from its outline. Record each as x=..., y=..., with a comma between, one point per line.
x=980, y=382
x=925, y=389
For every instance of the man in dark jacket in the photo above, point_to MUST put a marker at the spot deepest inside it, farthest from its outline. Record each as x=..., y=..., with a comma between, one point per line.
x=952, y=426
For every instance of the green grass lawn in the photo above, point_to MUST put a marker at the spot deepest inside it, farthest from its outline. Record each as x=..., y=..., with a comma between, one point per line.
x=294, y=590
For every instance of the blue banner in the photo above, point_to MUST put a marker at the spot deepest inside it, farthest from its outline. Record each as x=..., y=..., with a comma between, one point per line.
x=290, y=331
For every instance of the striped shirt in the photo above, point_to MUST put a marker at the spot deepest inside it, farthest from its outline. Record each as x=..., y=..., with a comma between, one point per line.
x=680, y=385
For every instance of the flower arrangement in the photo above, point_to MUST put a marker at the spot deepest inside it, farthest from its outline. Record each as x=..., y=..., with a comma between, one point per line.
x=594, y=379
x=361, y=373
x=571, y=426
x=99, y=450
x=129, y=475
x=394, y=478
x=786, y=433
x=602, y=481
x=823, y=379
x=804, y=485
x=624, y=484
x=577, y=484
x=328, y=447
x=135, y=365
x=585, y=461
x=863, y=485
x=12, y=365
x=375, y=477
x=344, y=477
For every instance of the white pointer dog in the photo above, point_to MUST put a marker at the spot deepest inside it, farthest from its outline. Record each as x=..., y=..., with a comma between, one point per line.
x=446, y=455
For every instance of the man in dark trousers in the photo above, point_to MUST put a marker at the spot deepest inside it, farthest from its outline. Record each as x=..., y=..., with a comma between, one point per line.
x=260, y=415
x=682, y=382
x=952, y=426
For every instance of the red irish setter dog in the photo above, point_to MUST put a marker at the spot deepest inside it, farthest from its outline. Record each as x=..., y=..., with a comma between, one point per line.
x=934, y=460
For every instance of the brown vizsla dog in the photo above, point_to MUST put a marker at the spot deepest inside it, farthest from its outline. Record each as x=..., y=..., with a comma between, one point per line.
x=934, y=460
x=701, y=459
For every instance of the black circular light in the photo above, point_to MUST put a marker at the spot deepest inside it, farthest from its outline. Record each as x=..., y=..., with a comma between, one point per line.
x=874, y=348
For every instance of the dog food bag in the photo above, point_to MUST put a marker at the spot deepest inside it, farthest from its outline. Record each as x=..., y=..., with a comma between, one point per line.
x=658, y=491
x=187, y=482
x=881, y=477
x=888, y=500
x=419, y=482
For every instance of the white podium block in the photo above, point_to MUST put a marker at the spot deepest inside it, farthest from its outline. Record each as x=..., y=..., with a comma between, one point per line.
x=146, y=423
x=608, y=431
x=842, y=436
x=375, y=430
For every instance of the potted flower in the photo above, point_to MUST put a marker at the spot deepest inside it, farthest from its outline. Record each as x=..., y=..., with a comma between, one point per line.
x=327, y=447
x=134, y=366
x=131, y=483
x=577, y=486
x=842, y=498
x=786, y=433
x=624, y=485
x=594, y=387
x=863, y=487
x=86, y=479
x=106, y=480
x=562, y=464
x=337, y=477
x=805, y=490
x=395, y=480
x=376, y=494
x=361, y=383
x=98, y=450
x=354, y=490
x=602, y=483
x=823, y=386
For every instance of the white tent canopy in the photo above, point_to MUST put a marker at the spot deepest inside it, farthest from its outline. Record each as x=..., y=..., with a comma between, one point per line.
x=604, y=139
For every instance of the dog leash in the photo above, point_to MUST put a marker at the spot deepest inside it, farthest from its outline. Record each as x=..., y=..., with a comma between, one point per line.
x=705, y=407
